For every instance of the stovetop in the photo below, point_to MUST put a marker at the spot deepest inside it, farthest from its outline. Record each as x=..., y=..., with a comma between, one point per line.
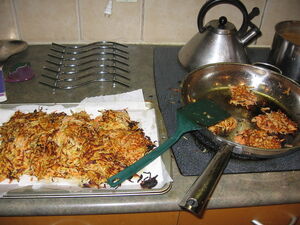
x=192, y=157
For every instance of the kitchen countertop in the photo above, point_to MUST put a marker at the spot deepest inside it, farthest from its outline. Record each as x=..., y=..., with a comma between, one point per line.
x=233, y=190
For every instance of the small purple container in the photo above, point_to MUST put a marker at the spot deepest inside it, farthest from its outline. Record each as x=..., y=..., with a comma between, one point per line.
x=22, y=73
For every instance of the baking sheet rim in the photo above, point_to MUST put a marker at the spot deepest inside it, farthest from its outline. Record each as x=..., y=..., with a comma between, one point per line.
x=95, y=192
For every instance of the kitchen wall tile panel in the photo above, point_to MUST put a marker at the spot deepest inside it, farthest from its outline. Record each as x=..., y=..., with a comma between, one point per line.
x=175, y=21
x=146, y=21
x=48, y=20
x=123, y=25
x=8, y=29
x=170, y=21
x=277, y=11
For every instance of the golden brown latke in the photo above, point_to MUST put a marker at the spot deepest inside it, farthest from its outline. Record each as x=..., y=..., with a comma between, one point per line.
x=275, y=122
x=224, y=127
x=242, y=95
x=258, y=139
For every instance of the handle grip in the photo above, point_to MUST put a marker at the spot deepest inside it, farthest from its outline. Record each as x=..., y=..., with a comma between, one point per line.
x=253, y=13
x=197, y=197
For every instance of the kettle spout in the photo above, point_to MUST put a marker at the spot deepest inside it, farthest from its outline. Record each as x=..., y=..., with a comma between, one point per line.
x=254, y=32
x=251, y=35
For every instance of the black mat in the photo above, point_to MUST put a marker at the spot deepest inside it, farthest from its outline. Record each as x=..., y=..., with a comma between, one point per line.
x=191, y=158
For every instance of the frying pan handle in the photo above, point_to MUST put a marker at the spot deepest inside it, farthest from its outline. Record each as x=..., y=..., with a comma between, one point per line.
x=268, y=66
x=197, y=197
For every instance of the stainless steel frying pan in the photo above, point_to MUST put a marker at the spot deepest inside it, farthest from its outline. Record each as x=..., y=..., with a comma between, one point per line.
x=213, y=81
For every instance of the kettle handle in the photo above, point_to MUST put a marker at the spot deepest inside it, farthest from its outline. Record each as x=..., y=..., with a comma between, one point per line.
x=246, y=18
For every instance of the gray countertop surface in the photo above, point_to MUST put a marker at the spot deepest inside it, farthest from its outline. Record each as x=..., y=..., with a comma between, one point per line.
x=233, y=190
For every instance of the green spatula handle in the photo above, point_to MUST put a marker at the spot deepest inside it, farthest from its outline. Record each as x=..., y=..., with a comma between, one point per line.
x=140, y=164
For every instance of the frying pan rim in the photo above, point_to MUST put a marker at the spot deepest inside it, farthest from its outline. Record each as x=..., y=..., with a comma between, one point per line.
x=243, y=64
x=274, y=152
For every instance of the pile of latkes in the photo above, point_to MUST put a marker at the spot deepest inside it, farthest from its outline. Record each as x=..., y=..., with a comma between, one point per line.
x=269, y=125
x=57, y=145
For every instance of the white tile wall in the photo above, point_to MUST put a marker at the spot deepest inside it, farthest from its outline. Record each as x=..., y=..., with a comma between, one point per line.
x=8, y=27
x=145, y=21
x=276, y=11
x=123, y=25
x=47, y=20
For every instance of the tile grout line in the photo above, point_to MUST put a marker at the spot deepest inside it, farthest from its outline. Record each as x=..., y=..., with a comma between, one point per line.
x=15, y=18
x=262, y=18
x=263, y=14
x=79, y=27
x=142, y=20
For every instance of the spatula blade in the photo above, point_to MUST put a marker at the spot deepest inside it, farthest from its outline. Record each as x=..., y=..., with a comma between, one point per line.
x=204, y=112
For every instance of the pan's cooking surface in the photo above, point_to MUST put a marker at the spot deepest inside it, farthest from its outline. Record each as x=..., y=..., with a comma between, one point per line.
x=191, y=160
x=243, y=115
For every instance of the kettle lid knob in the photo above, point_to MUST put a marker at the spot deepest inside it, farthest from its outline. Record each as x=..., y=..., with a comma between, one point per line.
x=222, y=22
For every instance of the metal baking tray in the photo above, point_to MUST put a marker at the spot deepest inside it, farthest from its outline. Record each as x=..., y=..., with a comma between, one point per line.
x=29, y=192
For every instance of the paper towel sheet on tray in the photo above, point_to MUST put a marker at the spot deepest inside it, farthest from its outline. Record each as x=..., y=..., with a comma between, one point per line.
x=133, y=102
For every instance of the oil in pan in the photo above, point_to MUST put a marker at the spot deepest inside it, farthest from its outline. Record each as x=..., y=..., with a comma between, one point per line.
x=243, y=115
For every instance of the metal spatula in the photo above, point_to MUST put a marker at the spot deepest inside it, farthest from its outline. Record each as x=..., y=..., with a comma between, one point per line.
x=194, y=116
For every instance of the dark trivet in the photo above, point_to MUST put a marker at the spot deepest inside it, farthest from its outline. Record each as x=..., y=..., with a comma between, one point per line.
x=191, y=156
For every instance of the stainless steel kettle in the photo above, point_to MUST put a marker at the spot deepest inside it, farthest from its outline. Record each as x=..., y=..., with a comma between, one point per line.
x=219, y=40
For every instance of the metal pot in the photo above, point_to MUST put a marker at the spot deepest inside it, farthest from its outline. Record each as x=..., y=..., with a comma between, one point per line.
x=285, y=51
x=213, y=81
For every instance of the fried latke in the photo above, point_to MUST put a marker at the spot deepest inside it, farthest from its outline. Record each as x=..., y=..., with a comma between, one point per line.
x=275, y=122
x=242, y=95
x=224, y=127
x=258, y=138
